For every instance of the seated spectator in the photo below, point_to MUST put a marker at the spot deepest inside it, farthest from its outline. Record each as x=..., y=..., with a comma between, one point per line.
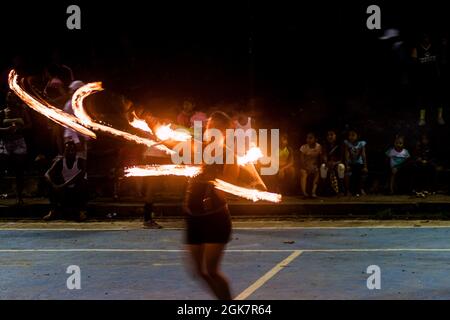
x=332, y=169
x=15, y=120
x=199, y=116
x=67, y=178
x=356, y=163
x=398, y=157
x=184, y=117
x=286, y=172
x=310, y=157
x=424, y=167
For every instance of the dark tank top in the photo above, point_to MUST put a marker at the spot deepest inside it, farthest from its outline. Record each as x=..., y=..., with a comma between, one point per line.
x=201, y=196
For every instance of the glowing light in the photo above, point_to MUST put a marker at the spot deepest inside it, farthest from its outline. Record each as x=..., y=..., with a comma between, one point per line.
x=162, y=170
x=53, y=113
x=140, y=124
x=252, y=155
x=165, y=132
x=79, y=110
x=250, y=194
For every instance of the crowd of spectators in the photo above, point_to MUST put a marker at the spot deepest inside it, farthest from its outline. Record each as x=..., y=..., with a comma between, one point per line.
x=318, y=162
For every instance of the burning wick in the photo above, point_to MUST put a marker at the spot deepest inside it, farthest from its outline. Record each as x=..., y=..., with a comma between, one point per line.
x=252, y=155
x=165, y=132
x=47, y=110
x=140, y=124
x=162, y=170
x=250, y=194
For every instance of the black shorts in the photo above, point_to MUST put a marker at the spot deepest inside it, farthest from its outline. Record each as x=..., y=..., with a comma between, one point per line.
x=210, y=228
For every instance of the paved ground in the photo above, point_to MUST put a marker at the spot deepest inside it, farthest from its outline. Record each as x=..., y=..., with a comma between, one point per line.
x=287, y=260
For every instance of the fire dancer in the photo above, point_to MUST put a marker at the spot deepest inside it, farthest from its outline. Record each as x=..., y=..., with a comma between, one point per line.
x=208, y=219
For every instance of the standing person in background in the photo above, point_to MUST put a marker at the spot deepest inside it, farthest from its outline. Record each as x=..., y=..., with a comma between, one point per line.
x=310, y=159
x=15, y=121
x=427, y=77
x=333, y=168
x=356, y=160
x=56, y=92
x=69, y=134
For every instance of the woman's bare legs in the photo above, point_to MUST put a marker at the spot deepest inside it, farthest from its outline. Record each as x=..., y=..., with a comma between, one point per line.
x=213, y=254
x=206, y=259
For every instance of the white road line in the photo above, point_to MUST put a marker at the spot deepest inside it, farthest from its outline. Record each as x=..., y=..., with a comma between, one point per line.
x=261, y=281
x=230, y=250
x=235, y=228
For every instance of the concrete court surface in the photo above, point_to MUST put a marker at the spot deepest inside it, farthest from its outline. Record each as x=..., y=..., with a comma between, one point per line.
x=265, y=260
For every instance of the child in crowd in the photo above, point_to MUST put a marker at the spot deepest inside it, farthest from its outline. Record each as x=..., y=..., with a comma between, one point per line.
x=332, y=169
x=398, y=157
x=310, y=157
x=424, y=168
x=356, y=160
x=286, y=172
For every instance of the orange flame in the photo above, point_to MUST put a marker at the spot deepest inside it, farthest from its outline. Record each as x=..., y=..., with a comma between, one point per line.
x=78, y=108
x=162, y=170
x=250, y=194
x=47, y=110
x=165, y=132
x=252, y=155
x=140, y=124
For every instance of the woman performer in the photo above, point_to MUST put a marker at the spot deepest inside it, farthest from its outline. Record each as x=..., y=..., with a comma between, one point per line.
x=208, y=219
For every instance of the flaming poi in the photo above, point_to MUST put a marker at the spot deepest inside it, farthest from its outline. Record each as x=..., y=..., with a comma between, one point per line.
x=162, y=170
x=250, y=194
x=51, y=112
x=79, y=110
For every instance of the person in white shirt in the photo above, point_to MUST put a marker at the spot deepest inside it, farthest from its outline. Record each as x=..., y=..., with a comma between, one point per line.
x=67, y=178
x=398, y=156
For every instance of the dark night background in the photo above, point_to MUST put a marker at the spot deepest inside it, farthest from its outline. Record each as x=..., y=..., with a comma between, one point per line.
x=308, y=64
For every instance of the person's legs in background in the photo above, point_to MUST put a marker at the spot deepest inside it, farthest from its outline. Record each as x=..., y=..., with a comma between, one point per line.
x=149, y=223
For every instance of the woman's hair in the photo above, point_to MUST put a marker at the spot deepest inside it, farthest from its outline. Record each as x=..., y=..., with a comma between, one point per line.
x=219, y=120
